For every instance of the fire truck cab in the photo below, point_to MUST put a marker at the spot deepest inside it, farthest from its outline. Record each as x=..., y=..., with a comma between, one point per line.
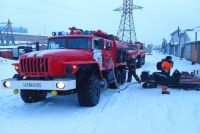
x=136, y=53
x=81, y=62
x=140, y=54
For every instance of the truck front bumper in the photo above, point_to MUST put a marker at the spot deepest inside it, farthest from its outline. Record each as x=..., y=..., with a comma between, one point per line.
x=62, y=84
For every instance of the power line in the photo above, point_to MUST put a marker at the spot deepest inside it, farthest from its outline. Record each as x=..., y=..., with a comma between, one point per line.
x=53, y=13
x=67, y=7
x=30, y=10
x=71, y=8
x=97, y=3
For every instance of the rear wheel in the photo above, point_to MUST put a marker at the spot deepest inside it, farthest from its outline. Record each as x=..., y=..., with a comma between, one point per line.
x=31, y=96
x=88, y=91
x=123, y=75
x=117, y=81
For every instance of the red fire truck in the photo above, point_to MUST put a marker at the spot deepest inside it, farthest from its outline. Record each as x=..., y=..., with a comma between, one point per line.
x=80, y=62
x=136, y=53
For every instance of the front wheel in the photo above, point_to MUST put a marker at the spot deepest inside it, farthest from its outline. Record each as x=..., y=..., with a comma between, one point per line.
x=88, y=91
x=31, y=96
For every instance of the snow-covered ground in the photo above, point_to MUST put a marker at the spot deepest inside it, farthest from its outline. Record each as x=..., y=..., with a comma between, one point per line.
x=133, y=110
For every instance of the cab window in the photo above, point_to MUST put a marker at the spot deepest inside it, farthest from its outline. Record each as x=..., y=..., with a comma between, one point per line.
x=108, y=46
x=96, y=44
x=132, y=47
x=78, y=43
x=56, y=43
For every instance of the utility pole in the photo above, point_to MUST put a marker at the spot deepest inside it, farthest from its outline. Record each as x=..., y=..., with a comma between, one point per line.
x=126, y=31
x=1, y=39
x=7, y=37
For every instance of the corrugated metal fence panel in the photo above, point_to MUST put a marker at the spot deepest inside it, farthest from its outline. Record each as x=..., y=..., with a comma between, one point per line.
x=187, y=52
x=194, y=53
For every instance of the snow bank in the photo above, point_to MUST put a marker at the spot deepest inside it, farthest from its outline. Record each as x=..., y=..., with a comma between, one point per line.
x=2, y=60
x=6, y=68
x=133, y=110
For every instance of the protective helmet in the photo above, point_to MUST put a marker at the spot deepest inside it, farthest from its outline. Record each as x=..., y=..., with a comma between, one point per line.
x=168, y=58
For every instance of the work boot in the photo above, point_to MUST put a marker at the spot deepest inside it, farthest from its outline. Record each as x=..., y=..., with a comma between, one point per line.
x=166, y=92
x=128, y=80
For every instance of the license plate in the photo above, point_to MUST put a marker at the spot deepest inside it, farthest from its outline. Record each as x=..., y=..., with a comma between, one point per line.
x=37, y=85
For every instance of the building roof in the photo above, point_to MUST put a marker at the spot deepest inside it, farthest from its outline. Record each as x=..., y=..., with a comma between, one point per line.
x=174, y=32
x=193, y=35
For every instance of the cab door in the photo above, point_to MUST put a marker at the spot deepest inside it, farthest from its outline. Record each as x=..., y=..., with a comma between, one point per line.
x=97, y=50
x=107, y=55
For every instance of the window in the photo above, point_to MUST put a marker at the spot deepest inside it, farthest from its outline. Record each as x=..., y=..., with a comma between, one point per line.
x=132, y=47
x=79, y=43
x=96, y=44
x=108, y=46
x=56, y=43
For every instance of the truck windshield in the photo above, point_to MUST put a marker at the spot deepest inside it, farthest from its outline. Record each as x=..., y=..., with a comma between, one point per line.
x=132, y=47
x=56, y=43
x=78, y=43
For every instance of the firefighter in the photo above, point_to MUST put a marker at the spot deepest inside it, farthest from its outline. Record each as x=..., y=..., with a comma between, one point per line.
x=132, y=70
x=166, y=68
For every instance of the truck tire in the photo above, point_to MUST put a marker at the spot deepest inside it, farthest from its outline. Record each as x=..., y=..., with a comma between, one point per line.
x=88, y=91
x=118, y=80
x=139, y=63
x=31, y=96
x=123, y=75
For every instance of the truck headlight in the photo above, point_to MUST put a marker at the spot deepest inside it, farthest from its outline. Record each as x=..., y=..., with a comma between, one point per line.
x=60, y=85
x=6, y=84
x=16, y=68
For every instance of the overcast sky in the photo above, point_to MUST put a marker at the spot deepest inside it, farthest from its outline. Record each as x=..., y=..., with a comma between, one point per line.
x=158, y=19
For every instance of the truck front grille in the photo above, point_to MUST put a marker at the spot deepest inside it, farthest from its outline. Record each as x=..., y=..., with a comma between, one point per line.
x=34, y=65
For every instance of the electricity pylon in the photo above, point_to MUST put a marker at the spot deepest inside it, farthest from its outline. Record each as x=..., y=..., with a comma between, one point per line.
x=7, y=37
x=126, y=31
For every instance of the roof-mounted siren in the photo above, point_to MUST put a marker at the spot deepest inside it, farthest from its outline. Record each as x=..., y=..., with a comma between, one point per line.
x=87, y=32
x=75, y=31
x=53, y=33
x=100, y=33
x=113, y=37
x=62, y=33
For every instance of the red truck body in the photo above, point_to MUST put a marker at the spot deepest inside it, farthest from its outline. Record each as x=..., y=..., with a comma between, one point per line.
x=77, y=62
x=136, y=53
